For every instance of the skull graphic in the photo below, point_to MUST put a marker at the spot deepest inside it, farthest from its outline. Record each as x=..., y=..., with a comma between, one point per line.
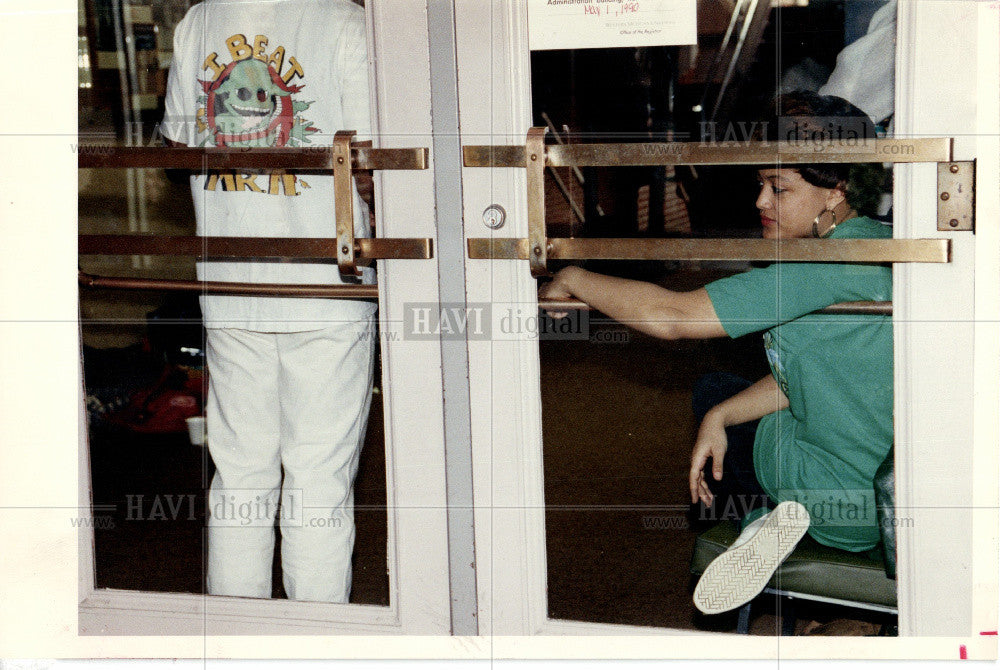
x=249, y=105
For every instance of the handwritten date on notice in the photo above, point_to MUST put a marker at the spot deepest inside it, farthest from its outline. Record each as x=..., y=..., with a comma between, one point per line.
x=603, y=24
x=611, y=10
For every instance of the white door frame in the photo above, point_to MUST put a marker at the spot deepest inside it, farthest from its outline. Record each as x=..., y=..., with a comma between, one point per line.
x=417, y=543
x=955, y=304
x=946, y=335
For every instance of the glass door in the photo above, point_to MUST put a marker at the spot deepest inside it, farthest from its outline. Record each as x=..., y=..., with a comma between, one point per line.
x=582, y=435
x=143, y=572
x=576, y=438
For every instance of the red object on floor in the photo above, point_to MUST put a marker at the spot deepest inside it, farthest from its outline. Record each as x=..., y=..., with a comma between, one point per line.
x=962, y=654
x=164, y=406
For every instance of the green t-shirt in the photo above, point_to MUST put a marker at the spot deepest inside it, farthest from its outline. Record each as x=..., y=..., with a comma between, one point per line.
x=836, y=371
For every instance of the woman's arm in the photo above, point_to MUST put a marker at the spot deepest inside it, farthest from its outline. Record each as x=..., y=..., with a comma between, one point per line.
x=651, y=309
x=754, y=402
x=763, y=398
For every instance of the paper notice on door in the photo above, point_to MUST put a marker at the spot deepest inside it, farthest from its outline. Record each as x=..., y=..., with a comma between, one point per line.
x=592, y=24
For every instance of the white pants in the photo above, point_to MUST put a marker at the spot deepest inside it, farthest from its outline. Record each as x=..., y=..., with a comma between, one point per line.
x=296, y=402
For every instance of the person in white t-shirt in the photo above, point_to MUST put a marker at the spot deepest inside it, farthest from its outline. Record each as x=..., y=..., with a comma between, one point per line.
x=865, y=71
x=290, y=379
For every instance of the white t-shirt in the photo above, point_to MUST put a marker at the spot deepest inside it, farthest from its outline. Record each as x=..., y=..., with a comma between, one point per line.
x=270, y=73
x=866, y=68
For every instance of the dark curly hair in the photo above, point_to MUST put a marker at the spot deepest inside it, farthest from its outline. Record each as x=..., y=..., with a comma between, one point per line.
x=805, y=116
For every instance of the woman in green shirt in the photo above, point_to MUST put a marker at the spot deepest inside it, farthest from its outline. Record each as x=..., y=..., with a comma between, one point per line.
x=824, y=414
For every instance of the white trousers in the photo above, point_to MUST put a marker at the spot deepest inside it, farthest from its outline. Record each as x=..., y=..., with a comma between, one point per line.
x=297, y=403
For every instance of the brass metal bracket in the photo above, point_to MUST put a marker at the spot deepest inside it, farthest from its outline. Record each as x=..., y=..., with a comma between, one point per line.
x=342, y=158
x=538, y=248
x=534, y=150
x=957, y=196
x=343, y=195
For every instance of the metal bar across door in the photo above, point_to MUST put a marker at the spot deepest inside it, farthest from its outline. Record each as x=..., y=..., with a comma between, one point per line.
x=843, y=308
x=348, y=252
x=538, y=248
x=339, y=291
x=300, y=160
x=631, y=154
x=251, y=247
x=674, y=249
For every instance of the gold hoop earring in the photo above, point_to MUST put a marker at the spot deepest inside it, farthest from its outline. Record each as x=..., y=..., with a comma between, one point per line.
x=833, y=223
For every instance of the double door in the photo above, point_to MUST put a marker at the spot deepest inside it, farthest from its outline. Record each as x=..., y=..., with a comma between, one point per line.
x=469, y=523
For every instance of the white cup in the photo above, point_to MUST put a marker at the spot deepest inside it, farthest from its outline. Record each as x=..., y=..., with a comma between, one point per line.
x=196, y=430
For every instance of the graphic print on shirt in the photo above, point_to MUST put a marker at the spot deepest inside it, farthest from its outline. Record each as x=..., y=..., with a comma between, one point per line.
x=774, y=360
x=251, y=102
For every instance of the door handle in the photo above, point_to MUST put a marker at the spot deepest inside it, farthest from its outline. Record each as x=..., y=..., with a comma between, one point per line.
x=342, y=159
x=538, y=248
x=843, y=308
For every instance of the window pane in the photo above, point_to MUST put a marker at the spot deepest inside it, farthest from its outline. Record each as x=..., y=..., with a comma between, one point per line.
x=145, y=352
x=619, y=421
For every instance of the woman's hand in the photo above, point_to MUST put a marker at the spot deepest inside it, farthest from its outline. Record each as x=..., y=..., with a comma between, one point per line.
x=710, y=443
x=557, y=289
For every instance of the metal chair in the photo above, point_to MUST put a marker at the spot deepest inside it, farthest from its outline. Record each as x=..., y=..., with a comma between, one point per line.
x=815, y=572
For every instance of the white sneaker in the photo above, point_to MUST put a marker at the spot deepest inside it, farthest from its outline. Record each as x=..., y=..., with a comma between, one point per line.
x=736, y=576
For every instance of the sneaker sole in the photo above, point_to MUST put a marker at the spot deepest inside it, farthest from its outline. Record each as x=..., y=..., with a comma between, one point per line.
x=736, y=576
